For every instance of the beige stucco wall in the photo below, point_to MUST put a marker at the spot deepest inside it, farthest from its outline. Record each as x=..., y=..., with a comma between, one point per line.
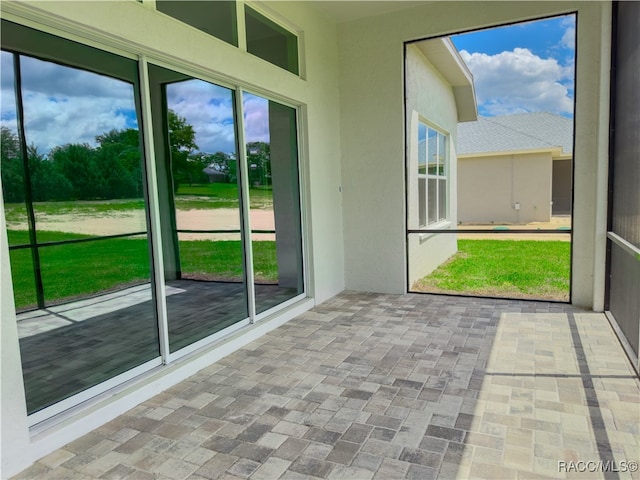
x=373, y=137
x=489, y=188
x=430, y=99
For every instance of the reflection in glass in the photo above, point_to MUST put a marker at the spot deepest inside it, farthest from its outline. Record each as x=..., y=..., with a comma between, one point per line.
x=276, y=236
x=431, y=200
x=200, y=206
x=442, y=154
x=422, y=202
x=271, y=42
x=422, y=148
x=432, y=151
x=215, y=18
x=84, y=185
x=13, y=191
x=442, y=199
x=12, y=168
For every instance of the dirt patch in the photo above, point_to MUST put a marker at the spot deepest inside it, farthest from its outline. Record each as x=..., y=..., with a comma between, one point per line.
x=560, y=224
x=495, y=293
x=135, y=221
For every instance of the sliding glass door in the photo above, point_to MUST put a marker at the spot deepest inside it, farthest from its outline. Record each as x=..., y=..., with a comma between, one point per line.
x=274, y=196
x=199, y=186
x=74, y=197
x=137, y=235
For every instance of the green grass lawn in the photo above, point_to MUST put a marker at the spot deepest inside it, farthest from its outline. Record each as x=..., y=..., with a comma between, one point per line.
x=504, y=268
x=81, y=269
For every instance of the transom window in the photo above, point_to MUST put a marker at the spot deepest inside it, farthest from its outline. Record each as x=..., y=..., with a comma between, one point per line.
x=432, y=175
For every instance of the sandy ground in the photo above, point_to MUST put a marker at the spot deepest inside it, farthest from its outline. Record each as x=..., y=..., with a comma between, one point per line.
x=556, y=223
x=261, y=219
x=134, y=221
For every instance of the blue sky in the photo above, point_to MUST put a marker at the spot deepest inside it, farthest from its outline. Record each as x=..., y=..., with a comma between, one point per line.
x=525, y=67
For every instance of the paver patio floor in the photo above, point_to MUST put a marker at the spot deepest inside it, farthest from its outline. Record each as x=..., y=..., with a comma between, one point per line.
x=388, y=386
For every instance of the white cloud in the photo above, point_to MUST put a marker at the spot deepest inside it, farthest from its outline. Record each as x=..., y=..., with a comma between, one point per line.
x=65, y=105
x=256, y=118
x=209, y=109
x=569, y=37
x=520, y=81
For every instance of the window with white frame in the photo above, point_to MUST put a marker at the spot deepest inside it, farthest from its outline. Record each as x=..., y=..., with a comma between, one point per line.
x=432, y=175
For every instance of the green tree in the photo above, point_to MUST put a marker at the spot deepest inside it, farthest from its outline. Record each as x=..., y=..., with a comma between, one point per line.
x=185, y=167
x=47, y=181
x=11, y=166
x=77, y=162
x=259, y=163
x=119, y=163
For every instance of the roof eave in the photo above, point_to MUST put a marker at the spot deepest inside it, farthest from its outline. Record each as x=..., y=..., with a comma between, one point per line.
x=444, y=56
x=555, y=152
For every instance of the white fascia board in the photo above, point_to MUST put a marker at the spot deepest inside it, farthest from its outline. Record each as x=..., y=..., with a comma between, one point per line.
x=555, y=152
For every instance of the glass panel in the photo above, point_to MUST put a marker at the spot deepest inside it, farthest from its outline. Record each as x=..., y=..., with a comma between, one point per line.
x=432, y=206
x=442, y=199
x=12, y=167
x=215, y=18
x=272, y=161
x=86, y=177
x=13, y=191
x=271, y=42
x=442, y=154
x=22, y=271
x=199, y=184
x=432, y=151
x=422, y=149
x=422, y=202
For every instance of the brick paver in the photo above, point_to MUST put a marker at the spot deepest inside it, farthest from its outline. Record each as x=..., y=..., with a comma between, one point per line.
x=388, y=386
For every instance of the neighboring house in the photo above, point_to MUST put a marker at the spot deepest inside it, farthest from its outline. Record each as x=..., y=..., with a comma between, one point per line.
x=515, y=168
x=326, y=81
x=439, y=95
x=214, y=173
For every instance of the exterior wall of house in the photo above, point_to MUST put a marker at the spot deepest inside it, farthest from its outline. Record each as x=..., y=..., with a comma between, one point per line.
x=429, y=99
x=373, y=140
x=132, y=28
x=490, y=187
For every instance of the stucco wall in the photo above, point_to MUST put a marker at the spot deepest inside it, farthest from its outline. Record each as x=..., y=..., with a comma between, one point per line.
x=490, y=187
x=372, y=118
x=430, y=99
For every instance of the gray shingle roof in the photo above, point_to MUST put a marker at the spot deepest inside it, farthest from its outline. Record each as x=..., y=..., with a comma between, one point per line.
x=524, y=131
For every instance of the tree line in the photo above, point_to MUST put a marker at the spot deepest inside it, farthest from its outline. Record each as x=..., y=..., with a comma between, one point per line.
x=74, y=171
x=112, y=169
